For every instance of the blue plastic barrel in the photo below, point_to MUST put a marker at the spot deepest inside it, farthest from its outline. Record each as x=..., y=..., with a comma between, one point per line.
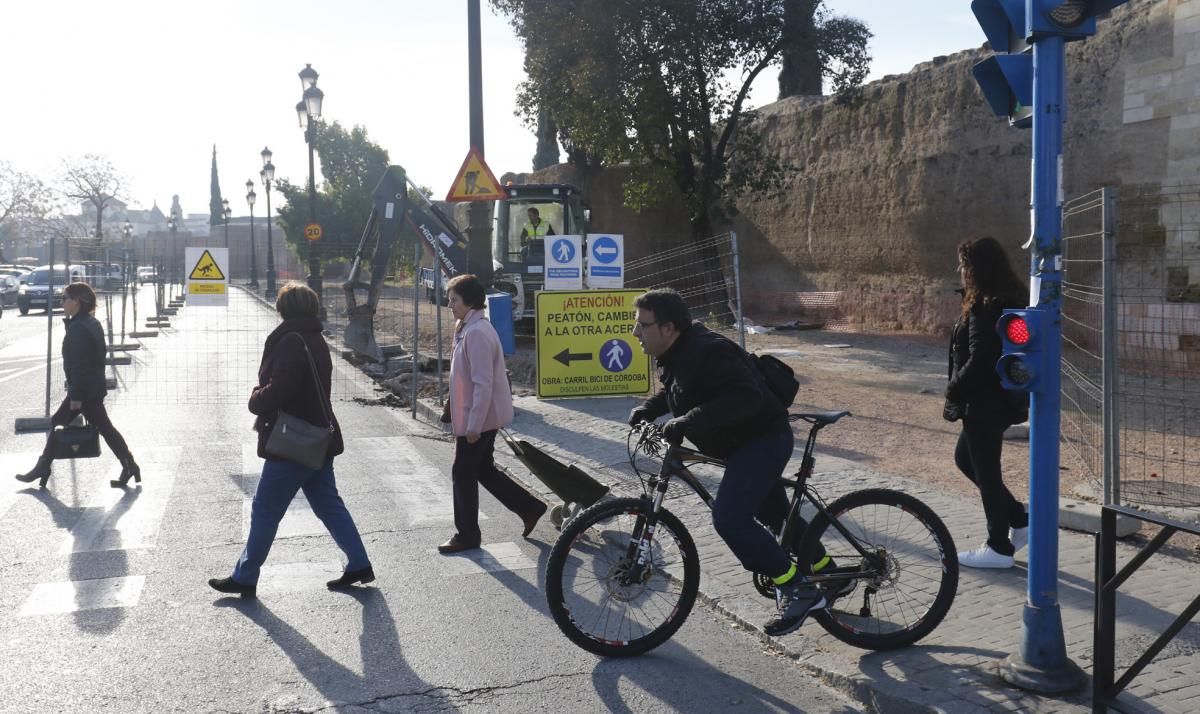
x=500, y=314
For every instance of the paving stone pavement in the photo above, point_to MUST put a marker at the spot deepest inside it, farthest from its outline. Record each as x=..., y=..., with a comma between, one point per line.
x=954, y=668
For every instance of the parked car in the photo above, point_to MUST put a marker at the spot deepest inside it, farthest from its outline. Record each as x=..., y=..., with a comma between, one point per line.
x=9, y=287
x=16, y=272
x=147, y=274
x=35, y=293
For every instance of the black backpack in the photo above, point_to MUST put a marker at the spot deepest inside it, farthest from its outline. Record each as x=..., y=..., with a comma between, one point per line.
x=779, y=378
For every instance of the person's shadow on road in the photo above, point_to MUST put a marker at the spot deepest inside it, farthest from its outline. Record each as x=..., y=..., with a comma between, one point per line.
x=384, y=672
x=668, y=673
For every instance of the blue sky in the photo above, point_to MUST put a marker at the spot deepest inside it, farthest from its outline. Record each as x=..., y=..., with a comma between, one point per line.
x=154, y=85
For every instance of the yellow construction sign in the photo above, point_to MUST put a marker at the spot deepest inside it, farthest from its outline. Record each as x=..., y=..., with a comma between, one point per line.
x=475, y=181
x=206, y=269
x=585, y=344
x=208, y=282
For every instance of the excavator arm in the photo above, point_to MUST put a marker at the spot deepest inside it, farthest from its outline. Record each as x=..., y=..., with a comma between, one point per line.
x=393, y=206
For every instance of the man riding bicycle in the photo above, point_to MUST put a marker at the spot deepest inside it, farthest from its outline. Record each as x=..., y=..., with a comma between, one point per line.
x=718, y=401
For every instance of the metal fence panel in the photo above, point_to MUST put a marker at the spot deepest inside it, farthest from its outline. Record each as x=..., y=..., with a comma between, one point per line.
x=1139, y=292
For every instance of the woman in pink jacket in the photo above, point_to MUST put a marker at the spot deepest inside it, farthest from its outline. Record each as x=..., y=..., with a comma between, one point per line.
x=480, y=404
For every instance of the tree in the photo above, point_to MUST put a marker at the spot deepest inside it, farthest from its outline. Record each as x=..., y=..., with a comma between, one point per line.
x=350, y=167
x=547, y=142
x=216, y=210
x=651, y=86
x=92, y=178
x=22, y=196
x=818, y=45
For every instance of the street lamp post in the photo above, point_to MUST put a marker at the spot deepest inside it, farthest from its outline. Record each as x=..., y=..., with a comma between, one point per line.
x=268, y=175
x=309, y=111
x=127, y=234
x=172, y=225
x=250, y=197
x=226, y=212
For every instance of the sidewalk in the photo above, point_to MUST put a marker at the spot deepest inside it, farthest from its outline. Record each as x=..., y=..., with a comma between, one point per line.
x=952, y=670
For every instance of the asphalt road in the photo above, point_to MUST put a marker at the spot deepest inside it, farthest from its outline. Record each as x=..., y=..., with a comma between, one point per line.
x=105, y=606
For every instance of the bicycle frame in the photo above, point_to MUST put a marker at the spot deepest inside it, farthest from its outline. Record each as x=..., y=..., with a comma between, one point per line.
x=674, y=465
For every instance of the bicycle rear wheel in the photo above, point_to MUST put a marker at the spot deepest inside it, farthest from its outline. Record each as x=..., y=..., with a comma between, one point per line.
x=909, y=589
x=593, y=595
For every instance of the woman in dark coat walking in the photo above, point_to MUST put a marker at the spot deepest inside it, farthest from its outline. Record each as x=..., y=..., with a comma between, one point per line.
x=286, y=383
x=975, y=396
x=83, y=354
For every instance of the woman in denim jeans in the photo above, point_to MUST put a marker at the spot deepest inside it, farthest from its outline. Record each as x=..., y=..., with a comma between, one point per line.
x=286, y=383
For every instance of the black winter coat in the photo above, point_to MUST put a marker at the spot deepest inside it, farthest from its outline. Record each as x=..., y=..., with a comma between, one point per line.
x=83, y=358
x=285, y=381
x=974, y=389
x=710, y=383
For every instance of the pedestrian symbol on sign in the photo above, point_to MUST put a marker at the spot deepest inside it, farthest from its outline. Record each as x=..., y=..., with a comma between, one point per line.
x=616, y=355
x=563, y=251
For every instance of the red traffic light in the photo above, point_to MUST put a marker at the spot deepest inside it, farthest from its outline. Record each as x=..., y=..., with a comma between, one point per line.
x=1017, y=331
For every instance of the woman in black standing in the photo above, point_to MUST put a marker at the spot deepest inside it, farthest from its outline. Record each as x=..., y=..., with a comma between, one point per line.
x=975, y=396
x=83, y=362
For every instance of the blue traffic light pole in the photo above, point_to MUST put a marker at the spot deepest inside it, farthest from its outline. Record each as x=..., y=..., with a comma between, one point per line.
x=1041, y=664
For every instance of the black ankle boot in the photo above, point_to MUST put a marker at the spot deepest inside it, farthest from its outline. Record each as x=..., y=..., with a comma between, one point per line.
x=40, y=472
x=129, y=468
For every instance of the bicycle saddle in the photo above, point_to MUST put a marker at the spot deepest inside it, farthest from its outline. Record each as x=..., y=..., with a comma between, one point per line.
x=821, y=418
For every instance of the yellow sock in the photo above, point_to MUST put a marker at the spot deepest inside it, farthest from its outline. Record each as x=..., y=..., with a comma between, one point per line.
x=820, y=564
x=791, y=573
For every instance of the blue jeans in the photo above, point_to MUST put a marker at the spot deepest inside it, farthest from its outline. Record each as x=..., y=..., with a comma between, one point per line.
x=749, y=489
x=278, y=486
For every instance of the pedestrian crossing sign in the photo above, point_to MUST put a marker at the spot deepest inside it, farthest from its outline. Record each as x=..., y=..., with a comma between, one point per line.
x=475, y=181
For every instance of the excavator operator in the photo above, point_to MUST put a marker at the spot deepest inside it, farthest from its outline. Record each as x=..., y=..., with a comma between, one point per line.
x=535, y=228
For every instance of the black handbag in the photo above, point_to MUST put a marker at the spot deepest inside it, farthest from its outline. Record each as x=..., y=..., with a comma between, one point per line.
x=296, y=440
x=75, y=442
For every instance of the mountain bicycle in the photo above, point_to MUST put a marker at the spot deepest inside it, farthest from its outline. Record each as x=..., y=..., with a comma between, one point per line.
x=624, y=573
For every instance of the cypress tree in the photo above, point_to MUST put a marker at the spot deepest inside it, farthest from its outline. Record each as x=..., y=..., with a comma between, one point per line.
x=216, y=214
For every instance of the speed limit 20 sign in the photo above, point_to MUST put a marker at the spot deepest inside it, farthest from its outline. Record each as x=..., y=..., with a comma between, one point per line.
x=313, y=231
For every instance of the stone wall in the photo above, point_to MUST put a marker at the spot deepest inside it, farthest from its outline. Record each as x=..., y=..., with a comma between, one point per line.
x=893, y=176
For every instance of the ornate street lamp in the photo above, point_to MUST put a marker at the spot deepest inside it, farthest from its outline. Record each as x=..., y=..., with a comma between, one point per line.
x=250, y=197
x=268, y=175
x=159, y=269
x=308, y=111
x=226, y=212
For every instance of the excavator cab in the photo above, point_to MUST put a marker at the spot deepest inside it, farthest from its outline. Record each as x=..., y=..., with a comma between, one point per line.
x=522, y=222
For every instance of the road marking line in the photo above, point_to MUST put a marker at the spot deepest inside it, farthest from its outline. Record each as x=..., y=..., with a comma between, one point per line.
x=27, y=371
x=490, y=558
x=292, y=577
x=73, y=596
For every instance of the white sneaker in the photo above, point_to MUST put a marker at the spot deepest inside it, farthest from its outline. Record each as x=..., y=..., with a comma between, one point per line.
x=984, y=557
x=1019, y=537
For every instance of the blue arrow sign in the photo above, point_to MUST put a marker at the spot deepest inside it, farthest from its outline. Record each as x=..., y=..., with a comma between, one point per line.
x=605, y=249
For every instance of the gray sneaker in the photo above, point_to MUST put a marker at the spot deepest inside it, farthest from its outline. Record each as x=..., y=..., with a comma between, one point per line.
x=795, y=600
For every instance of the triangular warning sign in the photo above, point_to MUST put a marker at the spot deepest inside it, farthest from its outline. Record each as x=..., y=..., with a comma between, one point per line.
x=206, y=268
x=475, y=181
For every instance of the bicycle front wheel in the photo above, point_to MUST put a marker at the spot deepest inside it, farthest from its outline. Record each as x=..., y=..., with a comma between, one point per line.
x=906, y=584
x=598, y=595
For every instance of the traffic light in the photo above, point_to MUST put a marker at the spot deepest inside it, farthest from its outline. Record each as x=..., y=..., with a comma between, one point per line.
x=1007, y=78
x=1072, y=19
x=1023, y=335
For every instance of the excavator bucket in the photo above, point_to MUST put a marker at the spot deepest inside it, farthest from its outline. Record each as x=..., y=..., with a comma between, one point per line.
x=360, y=337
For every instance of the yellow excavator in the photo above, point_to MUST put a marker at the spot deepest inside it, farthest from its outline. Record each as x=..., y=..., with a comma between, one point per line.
x=518, y=261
